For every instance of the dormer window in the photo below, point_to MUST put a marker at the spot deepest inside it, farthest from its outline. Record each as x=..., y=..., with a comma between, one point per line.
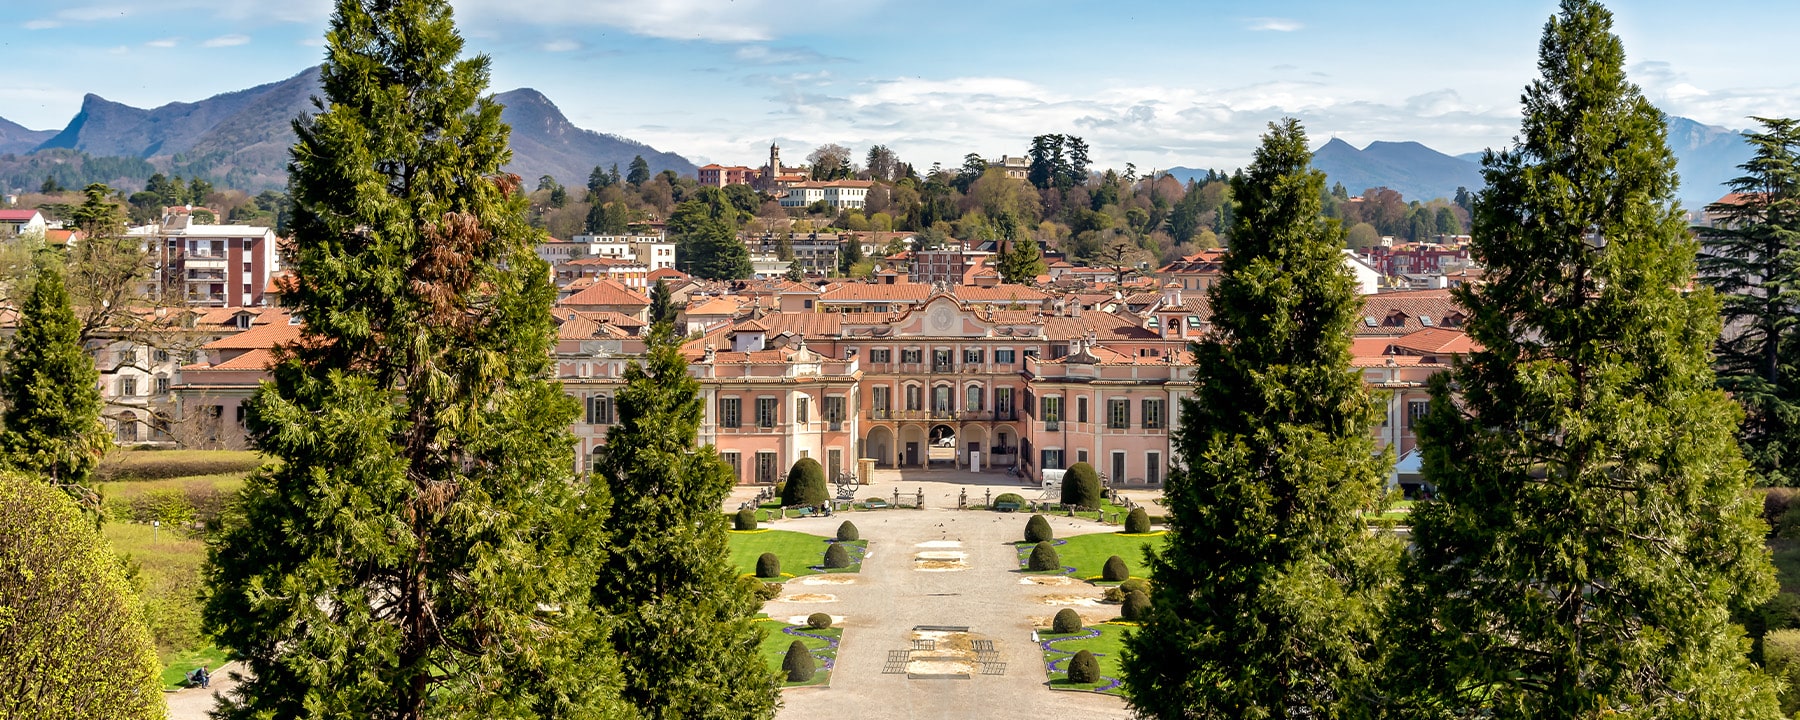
x=1395, y=319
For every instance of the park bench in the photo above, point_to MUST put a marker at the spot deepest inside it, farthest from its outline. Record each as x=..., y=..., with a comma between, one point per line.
x=1006, y=506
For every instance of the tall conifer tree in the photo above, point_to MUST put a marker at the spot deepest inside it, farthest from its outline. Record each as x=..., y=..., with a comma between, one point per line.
x=51, y=426
x=1267, y=592
x=422, y=549
x=1751, y=256
x=1593, y=530
x=684, y=623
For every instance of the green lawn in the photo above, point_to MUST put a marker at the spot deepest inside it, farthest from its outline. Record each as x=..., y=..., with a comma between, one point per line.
x=176, y=665
x=798, y=551
x=166, y=561
x=1088, y=553
x=775, y=646
x=1106, y=648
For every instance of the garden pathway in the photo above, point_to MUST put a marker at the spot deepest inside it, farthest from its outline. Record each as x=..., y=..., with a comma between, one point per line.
x=889, y=597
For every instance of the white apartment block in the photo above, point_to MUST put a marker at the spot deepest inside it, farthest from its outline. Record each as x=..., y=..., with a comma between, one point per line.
x=652, y=251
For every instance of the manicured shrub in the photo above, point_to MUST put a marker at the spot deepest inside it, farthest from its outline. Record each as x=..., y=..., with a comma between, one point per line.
x=1067, y=621
x=1037, y=529
x=768, y=566
x=805, y=484
x=1081, y=486
x=847, y=532
x=1775, y=502
x=1113, y=594
x=1084, y=668
x=837, y=557
x=1781, y=658
x=1137, y=606
x=1137, y=521
x=1115, y=570
x=818, y=621
x=745, y=520
x=798, y=664
x=1135, y=585
x=1044, y=557
x=1013, y=498
x=767, y=591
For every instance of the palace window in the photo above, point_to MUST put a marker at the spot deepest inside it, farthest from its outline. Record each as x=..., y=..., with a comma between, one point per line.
x=1118, y=414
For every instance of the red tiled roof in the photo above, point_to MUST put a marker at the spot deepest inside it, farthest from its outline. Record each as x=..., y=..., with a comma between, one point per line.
x=866, y=292
x=607, y=293
x=18, y=215
x=258, y=337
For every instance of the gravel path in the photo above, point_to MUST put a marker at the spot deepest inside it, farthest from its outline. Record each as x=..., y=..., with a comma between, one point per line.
x=889, y=597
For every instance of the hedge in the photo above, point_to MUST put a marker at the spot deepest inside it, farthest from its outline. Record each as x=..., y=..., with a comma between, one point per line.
x=1067, y=621
x=1115, y=570
x=1044, y=557
x=1037, y=529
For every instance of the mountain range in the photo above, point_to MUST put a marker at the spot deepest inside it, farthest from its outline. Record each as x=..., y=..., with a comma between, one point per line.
x=241, y=139
x=1706, y=157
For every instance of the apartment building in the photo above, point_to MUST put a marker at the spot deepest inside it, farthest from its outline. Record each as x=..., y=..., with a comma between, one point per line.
x=207, y=265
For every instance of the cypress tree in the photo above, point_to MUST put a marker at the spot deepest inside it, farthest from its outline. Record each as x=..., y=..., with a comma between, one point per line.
x=51, y=425
x=682, y=622
x=1266, y=592
x=662, y=303
x=1592, y=530
x=422, y=549
x=1751, y=257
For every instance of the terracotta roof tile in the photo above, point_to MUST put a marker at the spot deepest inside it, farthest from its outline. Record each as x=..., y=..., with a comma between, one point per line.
x=607, y=293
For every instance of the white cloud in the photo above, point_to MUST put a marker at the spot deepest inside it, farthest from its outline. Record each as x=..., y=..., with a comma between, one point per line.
x=232, y=40
x=164, y=43
x=41, y=24
x=1275, y=24
x=557, y=46
x=708, y=20
x=766, y=55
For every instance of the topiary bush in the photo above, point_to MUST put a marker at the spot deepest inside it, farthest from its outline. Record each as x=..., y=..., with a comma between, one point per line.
x=744, y=520
x=1037, y=529
x=1044, y=557
x=1067, y=621
x=1081, y=486
x=1135, y=585
x=847, y=532
x=1115, y=570
x=818, y=621
x=798, y=664
x=1013, y=498
x=1781, y=658
x=768, y=566
x=1137, y=606
x=837, y=557
x=1137, y=521
x=805, y=484
x=1084, y=668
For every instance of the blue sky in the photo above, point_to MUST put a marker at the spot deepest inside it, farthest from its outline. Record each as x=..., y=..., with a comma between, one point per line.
x=1154, y=83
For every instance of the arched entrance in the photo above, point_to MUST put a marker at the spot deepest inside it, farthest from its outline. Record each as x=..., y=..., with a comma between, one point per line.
x=943, y=445
x=912, y=446
x=972, y=451
x=880, y=445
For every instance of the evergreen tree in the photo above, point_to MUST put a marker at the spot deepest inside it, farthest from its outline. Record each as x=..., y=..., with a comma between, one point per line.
x=1021, y=262
x=795, y=271
x=51, y=424
x=598, y=180
x=1267, y=593
x=683, y=622
x=422, y=548
x=851, y=254
x=662, y=304
x=1592, y=530
x=1751, y=256
x=716, y=253
x=639, y=172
